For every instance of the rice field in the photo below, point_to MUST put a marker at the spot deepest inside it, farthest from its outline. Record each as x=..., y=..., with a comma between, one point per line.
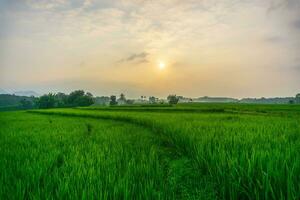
x=188, y=151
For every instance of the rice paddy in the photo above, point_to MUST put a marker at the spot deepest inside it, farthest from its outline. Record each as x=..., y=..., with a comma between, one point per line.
x=188, y=151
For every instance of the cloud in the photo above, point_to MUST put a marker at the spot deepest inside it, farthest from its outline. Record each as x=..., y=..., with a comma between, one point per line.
x=283, y=4
x=296, y=24
x=274, y=39
x=136, y=57
x=142, y=61
x=191, y=36
x=46, y=4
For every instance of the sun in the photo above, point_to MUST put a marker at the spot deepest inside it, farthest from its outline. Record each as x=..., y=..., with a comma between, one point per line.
x=161, y=65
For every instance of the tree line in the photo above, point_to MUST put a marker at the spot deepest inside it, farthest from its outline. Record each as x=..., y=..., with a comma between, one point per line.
x=59, y=100
x=82, y=98
x=172, y=99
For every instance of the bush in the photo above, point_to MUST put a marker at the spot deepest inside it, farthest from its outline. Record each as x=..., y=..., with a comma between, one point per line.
x=173, y=99
x=76, y=98
x=113, y=100
x=46, y=101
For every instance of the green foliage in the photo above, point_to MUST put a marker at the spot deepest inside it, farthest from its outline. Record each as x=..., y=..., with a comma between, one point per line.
x=298, y=98
x=10, y=108
x=61, y=99
x=46, y=101
x=129, y=101
x=291, y=101
x=122, y=97
x=77, y=158
x=153, y=100
x=173, y=99
x=79, y=98
x=26, y=104
x=76, y=98
x=19, y=102
x=187, y=151
x=113, y=100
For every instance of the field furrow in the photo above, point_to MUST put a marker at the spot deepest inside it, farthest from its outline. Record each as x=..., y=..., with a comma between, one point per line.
x=114, y=154
x=243, y=155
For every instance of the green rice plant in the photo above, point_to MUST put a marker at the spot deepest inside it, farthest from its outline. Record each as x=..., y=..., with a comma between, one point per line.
x=243, y=152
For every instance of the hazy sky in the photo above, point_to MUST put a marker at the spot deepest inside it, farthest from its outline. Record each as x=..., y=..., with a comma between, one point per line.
x=235, y=48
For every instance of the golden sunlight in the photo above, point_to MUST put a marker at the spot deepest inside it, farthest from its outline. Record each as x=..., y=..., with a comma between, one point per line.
x=161, y=65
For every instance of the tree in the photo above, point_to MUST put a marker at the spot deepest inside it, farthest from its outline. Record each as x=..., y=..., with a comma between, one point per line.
x=79, y=98
x=84, y=101
x=122, y=97
x=143, y=98
x=61, y=99
x=129, y=101
x=298, y=98
x=152, y=100
x=113, y=100
x=89, y=94
x=173, y=99
x=74, y=96
x=26, y=104
x=46, y=101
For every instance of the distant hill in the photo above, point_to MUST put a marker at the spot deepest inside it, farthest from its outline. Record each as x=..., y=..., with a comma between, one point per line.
x=12, y=100
x=275, y=100
x=3, y=91
x=28, y=93
x=215, y=99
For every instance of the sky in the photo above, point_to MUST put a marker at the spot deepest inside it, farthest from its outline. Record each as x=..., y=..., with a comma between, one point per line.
x=236, y=48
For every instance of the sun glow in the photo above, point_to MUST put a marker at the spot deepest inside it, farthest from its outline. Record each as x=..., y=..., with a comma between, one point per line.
x=161, y=65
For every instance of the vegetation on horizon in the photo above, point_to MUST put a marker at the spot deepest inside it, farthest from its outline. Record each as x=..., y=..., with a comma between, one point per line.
x=80, y=98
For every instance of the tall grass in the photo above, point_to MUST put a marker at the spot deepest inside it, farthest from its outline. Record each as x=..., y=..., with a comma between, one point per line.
x=246, y=154
x=46, y=157
x=77, y=159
